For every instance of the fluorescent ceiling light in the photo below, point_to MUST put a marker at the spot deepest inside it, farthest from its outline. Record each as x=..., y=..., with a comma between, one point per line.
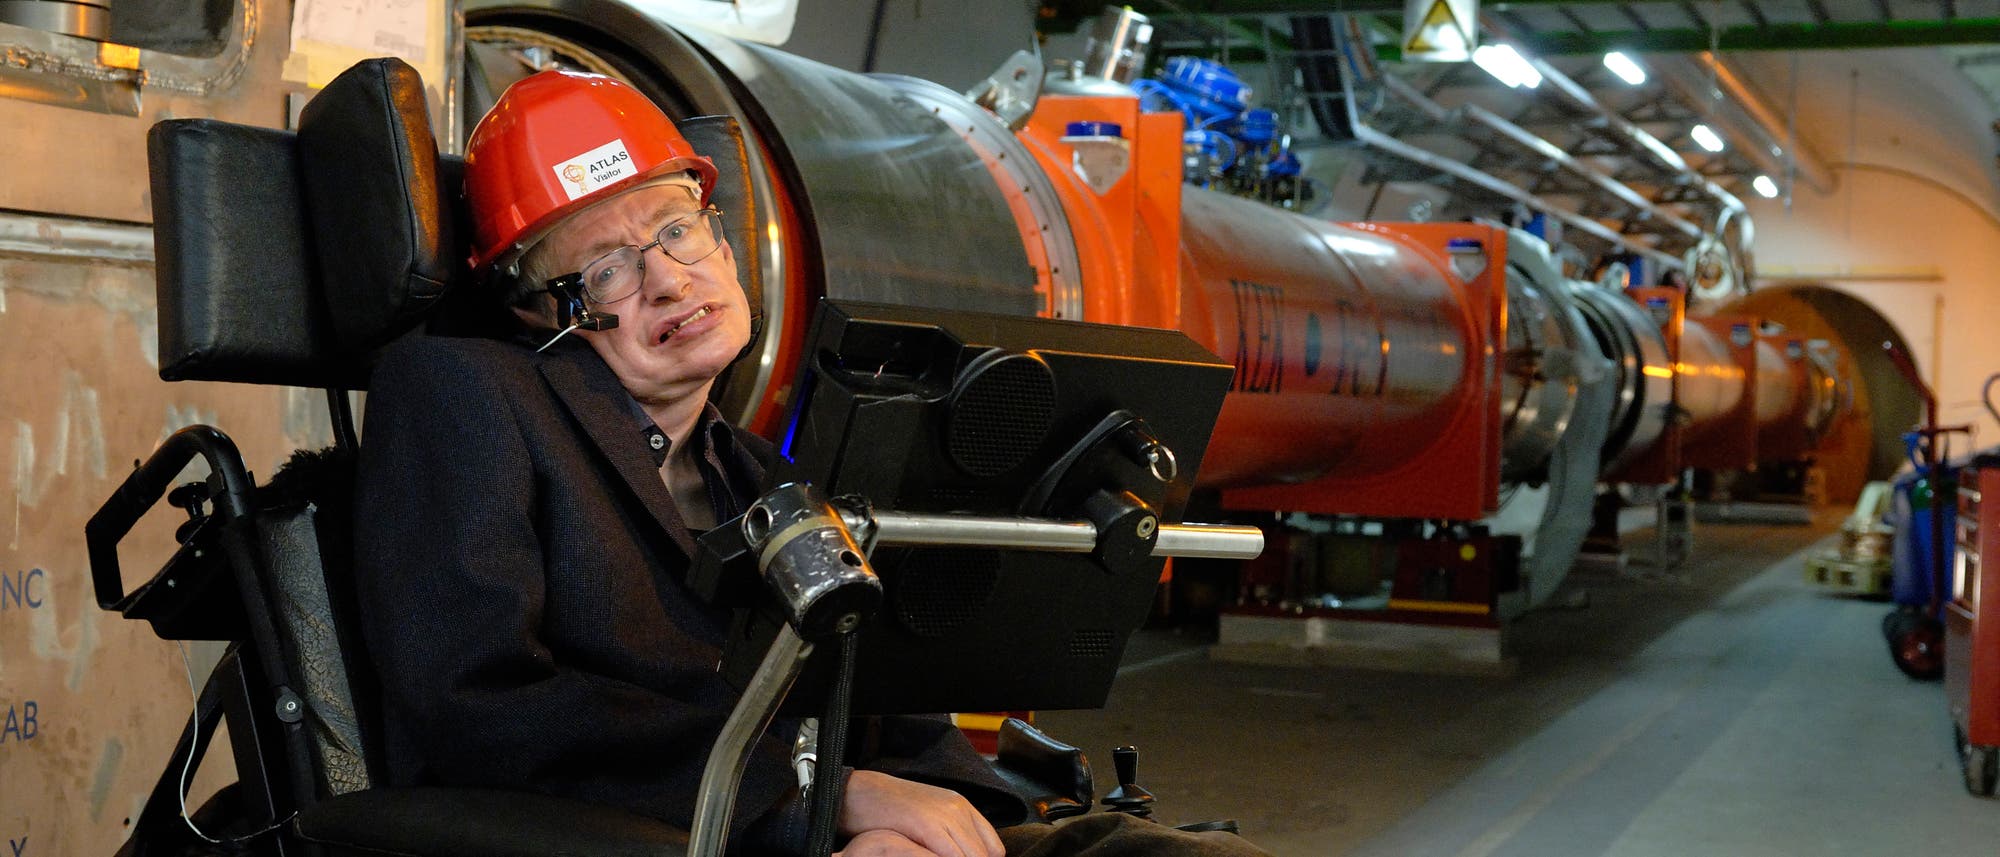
x=1625, y=68
x=1507, y=66
x=1706, y=138
x=1765, y=187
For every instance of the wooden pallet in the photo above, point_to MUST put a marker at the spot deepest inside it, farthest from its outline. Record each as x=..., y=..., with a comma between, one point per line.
x=1849, y=576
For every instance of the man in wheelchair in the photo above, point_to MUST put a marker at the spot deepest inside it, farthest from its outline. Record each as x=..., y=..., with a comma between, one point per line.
x=529, y=508
x=532, y=504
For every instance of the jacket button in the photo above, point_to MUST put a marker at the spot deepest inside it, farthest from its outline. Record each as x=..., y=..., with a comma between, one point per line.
x=657, y=441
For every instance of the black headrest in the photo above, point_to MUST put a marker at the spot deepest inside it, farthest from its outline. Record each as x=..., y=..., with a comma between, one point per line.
x=234, y=270
x=380, y=218
x=292, y=258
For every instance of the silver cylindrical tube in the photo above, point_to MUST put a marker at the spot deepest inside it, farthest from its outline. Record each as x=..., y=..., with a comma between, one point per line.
x=90, y=19
x=900, y=529
x=1118, y=43
x=1209, y=541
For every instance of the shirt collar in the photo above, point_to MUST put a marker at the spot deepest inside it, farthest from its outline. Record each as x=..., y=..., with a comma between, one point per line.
x=705, y=435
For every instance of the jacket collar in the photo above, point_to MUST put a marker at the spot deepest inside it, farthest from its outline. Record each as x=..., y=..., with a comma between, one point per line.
x=595, y=399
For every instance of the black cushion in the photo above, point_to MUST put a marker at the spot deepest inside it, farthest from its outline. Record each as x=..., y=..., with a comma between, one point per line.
x=450, y=822
x=1052, y=776
x=380, y=217
x=234, y=267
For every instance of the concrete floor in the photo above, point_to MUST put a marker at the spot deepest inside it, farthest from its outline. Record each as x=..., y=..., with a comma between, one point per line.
x=1737, y=711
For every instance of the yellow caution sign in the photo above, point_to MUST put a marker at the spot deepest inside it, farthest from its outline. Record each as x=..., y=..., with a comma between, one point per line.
x=1440, y=30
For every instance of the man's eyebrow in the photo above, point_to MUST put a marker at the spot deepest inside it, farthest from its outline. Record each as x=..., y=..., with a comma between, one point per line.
x=661, y=216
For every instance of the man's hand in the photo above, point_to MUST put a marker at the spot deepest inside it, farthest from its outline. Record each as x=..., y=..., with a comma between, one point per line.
x=933, y=820
x=883, y=843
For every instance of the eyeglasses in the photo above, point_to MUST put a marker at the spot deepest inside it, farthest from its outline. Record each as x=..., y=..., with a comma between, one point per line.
x=687, y=240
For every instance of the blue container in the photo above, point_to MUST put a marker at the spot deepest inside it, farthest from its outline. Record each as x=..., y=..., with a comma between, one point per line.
x=1208, y=80
x=1284, y=165
x=1260, y=127
x=1219, y=148
x=1913, y=573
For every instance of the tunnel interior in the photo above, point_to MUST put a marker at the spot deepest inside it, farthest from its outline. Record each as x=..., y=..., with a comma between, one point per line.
x=1865, y=444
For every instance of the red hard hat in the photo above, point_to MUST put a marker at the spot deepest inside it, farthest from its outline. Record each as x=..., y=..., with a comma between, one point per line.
x=559, y=141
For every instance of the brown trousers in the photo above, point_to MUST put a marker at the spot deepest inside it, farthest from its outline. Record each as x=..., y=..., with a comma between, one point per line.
x=1107, y=834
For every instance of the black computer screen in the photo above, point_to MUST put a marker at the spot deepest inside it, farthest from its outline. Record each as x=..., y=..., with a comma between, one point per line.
x=932, y=411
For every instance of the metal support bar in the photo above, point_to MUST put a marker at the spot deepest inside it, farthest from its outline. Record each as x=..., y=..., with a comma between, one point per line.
x=1750, y=8
x=1358, y=64
x=1633, y=16
x=786, y=528
x=723, y=775
x=70, y=239
x=1644, y=208
x=1209, y=541
x=1638, y=138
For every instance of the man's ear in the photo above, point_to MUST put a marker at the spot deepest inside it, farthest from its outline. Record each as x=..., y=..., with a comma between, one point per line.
x=540, y=311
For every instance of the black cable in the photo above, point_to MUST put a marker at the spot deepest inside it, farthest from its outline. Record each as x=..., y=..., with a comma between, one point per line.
x=828, y=783
x=1986, y=396
x=341, y=409
x=874, y=37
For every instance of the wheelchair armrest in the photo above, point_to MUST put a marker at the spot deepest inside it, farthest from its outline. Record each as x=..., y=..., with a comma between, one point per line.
x=464, y=822
x=1052, y=776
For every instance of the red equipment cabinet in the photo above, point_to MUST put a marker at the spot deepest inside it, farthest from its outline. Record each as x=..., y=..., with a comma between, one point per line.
x=1972, y=627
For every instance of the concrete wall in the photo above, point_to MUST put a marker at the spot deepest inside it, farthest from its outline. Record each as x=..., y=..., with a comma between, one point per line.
x=1911, y=227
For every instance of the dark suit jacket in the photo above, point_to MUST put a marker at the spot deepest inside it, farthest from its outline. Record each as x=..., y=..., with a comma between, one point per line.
x=518, y=568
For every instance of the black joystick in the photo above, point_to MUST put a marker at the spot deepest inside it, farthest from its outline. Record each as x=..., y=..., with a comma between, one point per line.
x=1129, y=797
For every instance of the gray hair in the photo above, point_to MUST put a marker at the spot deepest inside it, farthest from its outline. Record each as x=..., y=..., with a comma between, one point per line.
x=531, y=277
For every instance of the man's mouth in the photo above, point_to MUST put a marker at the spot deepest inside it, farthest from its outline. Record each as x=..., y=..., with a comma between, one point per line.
x=691, y=318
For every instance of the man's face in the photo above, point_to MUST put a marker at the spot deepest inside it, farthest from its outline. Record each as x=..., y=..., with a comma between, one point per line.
x=685, y=323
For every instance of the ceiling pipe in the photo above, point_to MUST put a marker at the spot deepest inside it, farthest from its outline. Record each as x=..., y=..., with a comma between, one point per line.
x=1342, y=63
x=1635, y=137
x=1720, y=92
x=1643, y=209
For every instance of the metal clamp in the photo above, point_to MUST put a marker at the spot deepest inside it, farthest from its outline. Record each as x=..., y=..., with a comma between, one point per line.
x=810, y=561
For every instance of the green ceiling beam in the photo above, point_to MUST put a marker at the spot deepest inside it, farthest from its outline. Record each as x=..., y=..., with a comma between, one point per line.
x=1777, y=37
x=1085, y=9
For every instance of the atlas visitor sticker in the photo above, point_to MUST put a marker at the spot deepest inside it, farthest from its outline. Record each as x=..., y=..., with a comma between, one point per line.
x=596, y=168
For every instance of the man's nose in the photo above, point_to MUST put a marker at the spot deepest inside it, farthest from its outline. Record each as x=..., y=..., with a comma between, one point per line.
x=666, y=279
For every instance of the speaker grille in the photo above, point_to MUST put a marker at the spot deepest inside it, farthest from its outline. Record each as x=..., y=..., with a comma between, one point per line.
x=1090, y=644
x=935, y=590
x=1000, y=414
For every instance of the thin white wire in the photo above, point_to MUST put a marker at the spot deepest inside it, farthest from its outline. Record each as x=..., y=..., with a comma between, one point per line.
x=552, y=340
x=187, y=766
